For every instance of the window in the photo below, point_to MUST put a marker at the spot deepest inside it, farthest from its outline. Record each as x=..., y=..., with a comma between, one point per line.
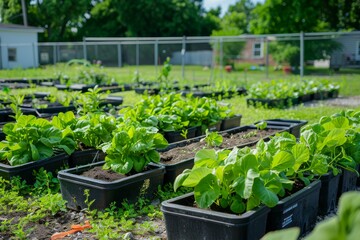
x=358, y=49
x=257, y=50
x=12, y=54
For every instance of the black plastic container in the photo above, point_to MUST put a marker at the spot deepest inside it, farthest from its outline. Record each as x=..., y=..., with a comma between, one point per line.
x=183, y=221
x=328, y=193
x=175, y=136
x=173, y=170
x=268, y=103
x=104, y=193
x=293, y=125
x=232, y=122
x=25, y=171
x=347, y=182
x=79, y=158
x=297, y=210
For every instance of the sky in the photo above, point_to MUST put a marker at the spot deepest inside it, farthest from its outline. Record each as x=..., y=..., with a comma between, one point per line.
x=224, y=4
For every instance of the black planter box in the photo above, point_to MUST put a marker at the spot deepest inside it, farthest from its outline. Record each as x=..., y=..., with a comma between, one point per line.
x=183, y=221
x=104, y=193
x=298, y=210
x=305, y=98
x=347, y=182
x=79, y=158
x=175, y=136
x=212, y=128
x=334, y=93
x=150, y=91
x=232, y=122
x=25, y=171
x=173, y=170
x=293, y=125
x=268, y=103
x=328, y=193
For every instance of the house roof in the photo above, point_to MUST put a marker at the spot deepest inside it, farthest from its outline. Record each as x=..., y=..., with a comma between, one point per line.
x=7, y=26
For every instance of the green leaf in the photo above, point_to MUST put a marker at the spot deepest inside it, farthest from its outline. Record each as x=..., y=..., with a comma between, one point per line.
x=179, y=180
x=247, y=162
x=34, y=152
x=301, y=154
x=249, y=182
x=152, y=156
x=207, y=191
x=237, y=206
x=266, y=196
x=195, y=176
x=282, y=161
x=205, y=157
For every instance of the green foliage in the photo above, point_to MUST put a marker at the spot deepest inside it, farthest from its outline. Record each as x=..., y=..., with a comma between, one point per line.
x=93, y=129
x=281, y=89
x=212, y=139
x=340, y=227
x=171, y=112
x=89, y=102
x=132, y=148
x=31, y=139
x=334, y=142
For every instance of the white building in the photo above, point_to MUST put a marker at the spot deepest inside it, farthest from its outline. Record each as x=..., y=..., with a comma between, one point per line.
x=18, y=46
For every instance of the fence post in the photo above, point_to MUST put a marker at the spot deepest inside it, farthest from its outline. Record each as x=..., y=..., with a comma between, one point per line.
x=137, y=55
x=221, y=58
x=183, y=51
x=119, y=55
x=34, y=53
x=84, y=48
x=301, y=55
x=267, y=57
x=156, y=56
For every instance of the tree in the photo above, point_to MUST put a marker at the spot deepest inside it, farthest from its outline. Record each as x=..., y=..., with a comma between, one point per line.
x=235, y=22
x=160, y=18
x=293, y=16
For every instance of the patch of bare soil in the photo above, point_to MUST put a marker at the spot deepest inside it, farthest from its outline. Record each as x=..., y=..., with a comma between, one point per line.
x=249, y=136
x=101, y=174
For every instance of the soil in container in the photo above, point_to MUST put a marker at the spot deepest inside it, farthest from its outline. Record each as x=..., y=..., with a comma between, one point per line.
x=249, y=136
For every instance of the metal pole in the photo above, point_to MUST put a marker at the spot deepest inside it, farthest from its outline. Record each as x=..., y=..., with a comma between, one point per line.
x=119, y=55
x=54, y=53
x=183, y=50
x=34, y=53
x=301, y=55
x=137, y=56
x=84, y=49
x=23, y=6
x=156, y=56
x=221, y=58
x=267, y=57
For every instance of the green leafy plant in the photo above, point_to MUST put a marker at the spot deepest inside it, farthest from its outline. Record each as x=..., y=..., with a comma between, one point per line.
x=212, y=139
x=333, y=142
x=89, y=102
x=132, y=148
x=31, y=139
x=93, y=129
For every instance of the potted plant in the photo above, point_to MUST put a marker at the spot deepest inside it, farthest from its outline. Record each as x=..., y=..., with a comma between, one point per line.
x=32, y=143
x=127, y=159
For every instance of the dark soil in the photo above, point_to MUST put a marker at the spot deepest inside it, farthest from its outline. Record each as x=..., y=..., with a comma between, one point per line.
x=178, y=154
x=101, y=174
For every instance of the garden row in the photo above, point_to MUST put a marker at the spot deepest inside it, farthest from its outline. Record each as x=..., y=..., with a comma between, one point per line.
x=45, y=104
x=283, y=94
x=296, y=180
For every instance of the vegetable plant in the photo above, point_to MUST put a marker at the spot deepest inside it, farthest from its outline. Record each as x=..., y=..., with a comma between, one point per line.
x=132, y=148
x=31, y=139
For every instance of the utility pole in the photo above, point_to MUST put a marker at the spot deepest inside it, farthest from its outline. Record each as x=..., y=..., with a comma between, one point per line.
x=24, y=12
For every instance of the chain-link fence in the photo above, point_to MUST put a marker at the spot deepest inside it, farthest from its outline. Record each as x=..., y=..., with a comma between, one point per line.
x=297, y=53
